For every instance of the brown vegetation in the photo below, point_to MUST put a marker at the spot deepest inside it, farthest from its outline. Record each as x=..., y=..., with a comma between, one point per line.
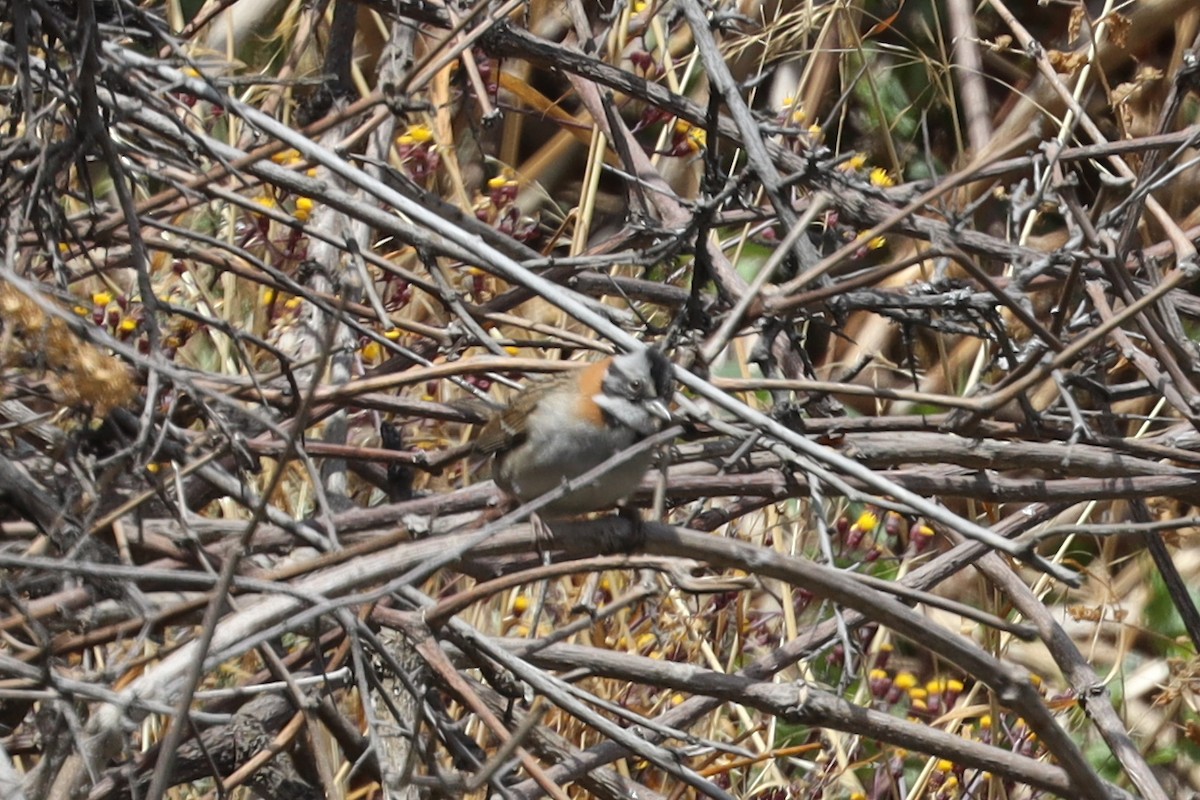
x=927, y=274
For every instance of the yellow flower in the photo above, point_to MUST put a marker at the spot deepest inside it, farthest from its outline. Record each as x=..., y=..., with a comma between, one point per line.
x=304, y=207
x=696, y=138
x=102, y=298
x=268, y=296
x=416, y=134
x=905, y=681
x=867, y=521
x=392, y=334
x=520, y=603
x=880, y=177
x=945, y=765
x=371, y=351
x=129, y=325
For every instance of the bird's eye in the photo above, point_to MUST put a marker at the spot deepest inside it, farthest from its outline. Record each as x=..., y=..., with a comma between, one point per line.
x=635, y=386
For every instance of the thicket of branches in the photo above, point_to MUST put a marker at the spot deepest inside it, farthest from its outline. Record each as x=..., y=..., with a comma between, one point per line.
x=926, y=272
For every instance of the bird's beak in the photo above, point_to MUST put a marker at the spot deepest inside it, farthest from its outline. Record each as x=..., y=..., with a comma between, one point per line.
x=659, y=409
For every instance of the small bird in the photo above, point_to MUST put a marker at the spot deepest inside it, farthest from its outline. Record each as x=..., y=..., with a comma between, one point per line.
x=560, y=428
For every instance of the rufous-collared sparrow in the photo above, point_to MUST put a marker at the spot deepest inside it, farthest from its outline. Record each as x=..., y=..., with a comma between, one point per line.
x=562, y=427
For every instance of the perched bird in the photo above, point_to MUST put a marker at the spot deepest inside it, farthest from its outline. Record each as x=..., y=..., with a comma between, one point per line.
x=560, y=428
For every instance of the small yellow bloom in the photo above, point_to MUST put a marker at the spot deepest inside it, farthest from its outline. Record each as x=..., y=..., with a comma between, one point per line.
x=856, y=162
x=985, y=721
x=880, y=177
x=945, y=765
x=371, y=351
x=265, y=201
x=416, y=134
x=917, y=694
x=878, y=674
x=498, y=182
x=512, y=350
x=392, y=334
x=304, y=207
x=905, y=681
x=285, y=156
x=520, y=603
x=268, y=295
x=102, y=298
x=82, y=310
x=129, y=325
x=867, y=521
x=697, y=138
x=152, y=468
x=877, y=243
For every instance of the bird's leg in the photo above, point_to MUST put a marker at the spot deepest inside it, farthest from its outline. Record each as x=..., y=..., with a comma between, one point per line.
x=543, y=537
